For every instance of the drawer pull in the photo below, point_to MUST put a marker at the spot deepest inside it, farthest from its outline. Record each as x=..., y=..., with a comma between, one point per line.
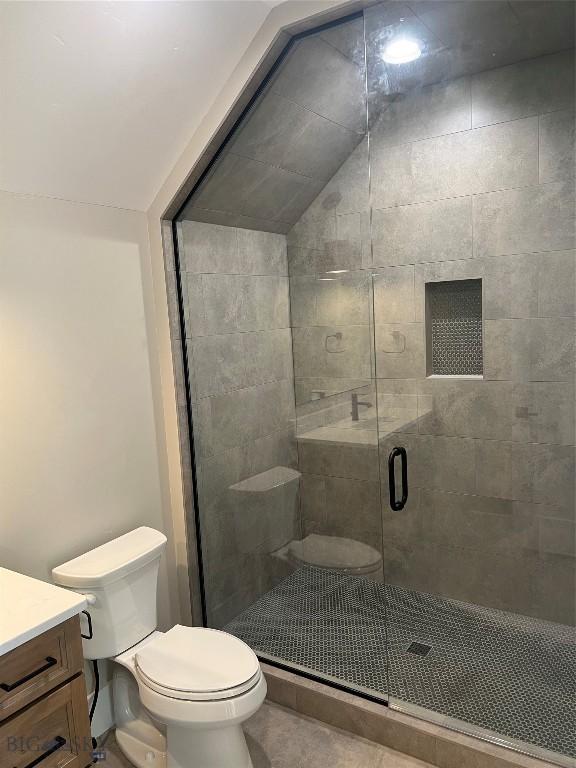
x=59, y=742
x=50, y=661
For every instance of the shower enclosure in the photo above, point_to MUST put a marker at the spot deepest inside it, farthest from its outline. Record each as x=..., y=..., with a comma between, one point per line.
x=376, y=287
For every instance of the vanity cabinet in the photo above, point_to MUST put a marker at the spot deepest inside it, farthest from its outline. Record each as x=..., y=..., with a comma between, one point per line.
x=43, y=705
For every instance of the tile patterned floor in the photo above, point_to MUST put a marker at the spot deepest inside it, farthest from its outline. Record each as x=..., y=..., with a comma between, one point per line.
x=280, y=738
x=507, y=673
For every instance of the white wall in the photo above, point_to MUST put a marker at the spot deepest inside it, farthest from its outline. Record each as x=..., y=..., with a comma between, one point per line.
x=79, y=460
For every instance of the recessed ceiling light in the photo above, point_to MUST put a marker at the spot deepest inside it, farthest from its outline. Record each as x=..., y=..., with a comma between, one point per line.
x=336, y=271
x=401, y=50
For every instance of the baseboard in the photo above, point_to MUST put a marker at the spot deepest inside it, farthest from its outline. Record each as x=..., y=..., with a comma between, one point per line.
x=103, y=718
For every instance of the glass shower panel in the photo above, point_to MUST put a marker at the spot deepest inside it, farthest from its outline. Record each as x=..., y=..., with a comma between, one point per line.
x=472, y=227
x=275, y=258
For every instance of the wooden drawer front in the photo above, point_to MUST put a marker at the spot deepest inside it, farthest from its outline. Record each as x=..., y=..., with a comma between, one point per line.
x=38, y=666
x=52, y=733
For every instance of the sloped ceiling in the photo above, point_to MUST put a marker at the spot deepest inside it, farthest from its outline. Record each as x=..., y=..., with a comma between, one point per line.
x=313, y=114
x=98, y=99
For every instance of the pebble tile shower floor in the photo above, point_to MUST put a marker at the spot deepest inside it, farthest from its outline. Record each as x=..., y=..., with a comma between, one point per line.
x=511, y=674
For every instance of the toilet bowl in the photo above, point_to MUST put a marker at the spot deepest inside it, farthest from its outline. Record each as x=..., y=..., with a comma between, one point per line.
x=180, y=696
x=201, y=705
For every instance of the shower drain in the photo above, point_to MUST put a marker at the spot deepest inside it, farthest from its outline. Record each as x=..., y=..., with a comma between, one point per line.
x=419, y=648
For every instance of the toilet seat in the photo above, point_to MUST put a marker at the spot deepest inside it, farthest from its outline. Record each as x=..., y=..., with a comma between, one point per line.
x=335, y=553
x=197, y=664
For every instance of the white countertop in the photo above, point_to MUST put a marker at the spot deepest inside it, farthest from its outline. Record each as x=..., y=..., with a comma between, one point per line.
x=29, y=607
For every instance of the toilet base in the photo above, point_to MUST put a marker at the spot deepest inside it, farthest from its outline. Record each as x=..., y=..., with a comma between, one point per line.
x=189, y=748
x=219, y=748
x=140, y=752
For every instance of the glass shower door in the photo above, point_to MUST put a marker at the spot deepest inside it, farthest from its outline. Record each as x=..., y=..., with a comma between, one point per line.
x=322, y=620
x=472, y=231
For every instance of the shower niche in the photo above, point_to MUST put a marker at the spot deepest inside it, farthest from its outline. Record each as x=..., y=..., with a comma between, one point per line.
x=454, y=328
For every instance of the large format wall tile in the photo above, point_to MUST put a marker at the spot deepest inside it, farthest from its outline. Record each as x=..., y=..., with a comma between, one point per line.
x=480, y=523
x=312, y=388
x=535, y=349
x=441, y=271
x=543, y=412
x=400, y=351
x=217, y=473
x=358, y=462
x=332, y=410
x=525, y=220
x=331, y=299
x=424, y=112
x=557, y=536
x=235, y=303
x=320, y=78
x=492, y=579
x=236, y=360
x=262, y=253
x=302, y=261
x=516, y=286
x=193, y=304
x=556, y=279
x=464, y=408
x=209, y=248
x=282, y=133
x=394, y=295
x=531, y=472
x=217, y=364
x=333, y=352
x=529, y=285
x=557, y=146
x=397, y=406
x=329, y=500
x=496, y=157
x=242, y=416
x=348, y=190
x=250, y=188
x=554, y=581
x=528, y=88
x=444, y=463
x=539, y=412
x=330, y=242
x=268, y=356
x=424, y=232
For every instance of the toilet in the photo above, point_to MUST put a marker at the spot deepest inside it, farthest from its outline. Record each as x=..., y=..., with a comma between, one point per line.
x=180, y=697
x=265, y=510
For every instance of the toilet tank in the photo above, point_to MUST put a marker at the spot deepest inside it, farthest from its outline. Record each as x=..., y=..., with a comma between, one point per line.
x=265, y=510
x=120, y=580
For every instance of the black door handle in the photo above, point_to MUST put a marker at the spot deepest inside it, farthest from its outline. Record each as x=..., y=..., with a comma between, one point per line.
x=59, y=742
x=50, y=661
x=394, y=503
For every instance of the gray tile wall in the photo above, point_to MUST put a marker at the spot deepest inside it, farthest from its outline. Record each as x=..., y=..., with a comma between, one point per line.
x=238, y=342
x=308, y=120
x=470, y=179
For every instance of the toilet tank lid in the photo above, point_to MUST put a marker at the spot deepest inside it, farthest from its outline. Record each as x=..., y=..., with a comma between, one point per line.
x=111, y=561
x=265, y=481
